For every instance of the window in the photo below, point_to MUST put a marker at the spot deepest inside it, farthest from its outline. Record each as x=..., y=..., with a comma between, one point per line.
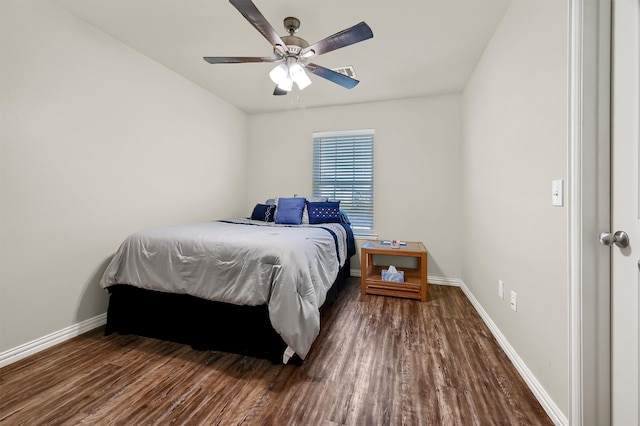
x=343, y=170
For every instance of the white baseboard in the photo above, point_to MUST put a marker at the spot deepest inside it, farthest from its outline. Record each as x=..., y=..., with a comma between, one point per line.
x=541, y=395
x=454, y=282
x=30, y=348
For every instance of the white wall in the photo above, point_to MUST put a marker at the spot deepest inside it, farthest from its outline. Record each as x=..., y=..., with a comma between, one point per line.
x=97, y=141
x=417, y=154
x=515, y=144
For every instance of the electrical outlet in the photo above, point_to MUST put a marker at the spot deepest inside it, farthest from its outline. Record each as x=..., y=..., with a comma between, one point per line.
x=514, y=301
x=501, y=289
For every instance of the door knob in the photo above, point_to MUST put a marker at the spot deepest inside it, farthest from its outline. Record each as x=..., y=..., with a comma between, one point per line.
x=620, y=238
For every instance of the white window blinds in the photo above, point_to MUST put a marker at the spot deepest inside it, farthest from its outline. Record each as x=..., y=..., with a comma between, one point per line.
x=343, y=170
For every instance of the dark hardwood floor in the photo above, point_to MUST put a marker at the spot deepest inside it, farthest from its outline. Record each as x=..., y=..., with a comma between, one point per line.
x=377, y=361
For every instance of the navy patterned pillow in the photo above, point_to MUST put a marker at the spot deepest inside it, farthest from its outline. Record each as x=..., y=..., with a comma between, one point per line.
x=327, y=212
x=264, y=212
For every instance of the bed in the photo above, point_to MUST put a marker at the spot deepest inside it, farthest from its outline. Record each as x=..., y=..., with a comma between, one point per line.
x=249, y=286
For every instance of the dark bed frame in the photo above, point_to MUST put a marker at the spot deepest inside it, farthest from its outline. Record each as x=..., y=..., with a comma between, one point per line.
x=203, y=324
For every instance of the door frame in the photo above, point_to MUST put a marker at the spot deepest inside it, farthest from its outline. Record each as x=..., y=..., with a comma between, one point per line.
x=589, y=211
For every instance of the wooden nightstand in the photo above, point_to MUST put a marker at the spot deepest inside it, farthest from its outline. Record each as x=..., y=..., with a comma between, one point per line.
x=415, y=285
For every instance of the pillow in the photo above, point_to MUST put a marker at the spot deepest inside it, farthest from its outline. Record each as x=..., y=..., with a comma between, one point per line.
x=305, y=213
x=344, y=217
x=326, y=212
x=289, y=211
x=264, y=212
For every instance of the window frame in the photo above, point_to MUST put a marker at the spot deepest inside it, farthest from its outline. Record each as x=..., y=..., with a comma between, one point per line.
x=362, y=147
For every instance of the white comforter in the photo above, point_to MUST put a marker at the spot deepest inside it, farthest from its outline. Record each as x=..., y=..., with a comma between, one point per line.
x=245, y=263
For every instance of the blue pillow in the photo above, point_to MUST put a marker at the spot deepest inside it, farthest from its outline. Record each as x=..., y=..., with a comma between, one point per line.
x=264, y=212
x=344, y=217
x=289, y=211
x=327, y=212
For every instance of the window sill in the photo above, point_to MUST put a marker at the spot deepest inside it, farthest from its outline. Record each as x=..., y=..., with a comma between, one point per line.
x=365, y=236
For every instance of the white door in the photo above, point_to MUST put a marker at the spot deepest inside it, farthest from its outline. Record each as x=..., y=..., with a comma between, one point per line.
x=625, y=214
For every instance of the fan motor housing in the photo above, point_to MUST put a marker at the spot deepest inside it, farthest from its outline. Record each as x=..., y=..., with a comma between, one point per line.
x=292, y=40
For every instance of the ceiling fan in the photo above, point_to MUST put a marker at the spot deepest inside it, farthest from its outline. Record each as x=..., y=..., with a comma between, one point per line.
x=293, y=53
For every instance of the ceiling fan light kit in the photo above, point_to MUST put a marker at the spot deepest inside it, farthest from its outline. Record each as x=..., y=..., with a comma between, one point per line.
x=279, y=73
x=289, y=72
x=297, y=74
x=293, y=52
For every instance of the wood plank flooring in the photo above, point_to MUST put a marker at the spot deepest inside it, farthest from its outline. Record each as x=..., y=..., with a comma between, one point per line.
x=377, y=361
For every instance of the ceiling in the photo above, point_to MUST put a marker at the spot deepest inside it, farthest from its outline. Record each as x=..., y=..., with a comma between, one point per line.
x=419, y=48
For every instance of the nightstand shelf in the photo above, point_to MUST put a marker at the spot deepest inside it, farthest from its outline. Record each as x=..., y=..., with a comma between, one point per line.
x=415, y=280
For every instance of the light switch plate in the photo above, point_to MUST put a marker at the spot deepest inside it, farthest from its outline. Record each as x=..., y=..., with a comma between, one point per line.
x=557, y=196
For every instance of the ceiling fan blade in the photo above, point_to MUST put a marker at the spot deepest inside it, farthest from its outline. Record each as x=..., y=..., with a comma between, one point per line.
x=279, y=92
x=257, y=19
x=355, y=34
x=333, y=76
x=235, y=59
